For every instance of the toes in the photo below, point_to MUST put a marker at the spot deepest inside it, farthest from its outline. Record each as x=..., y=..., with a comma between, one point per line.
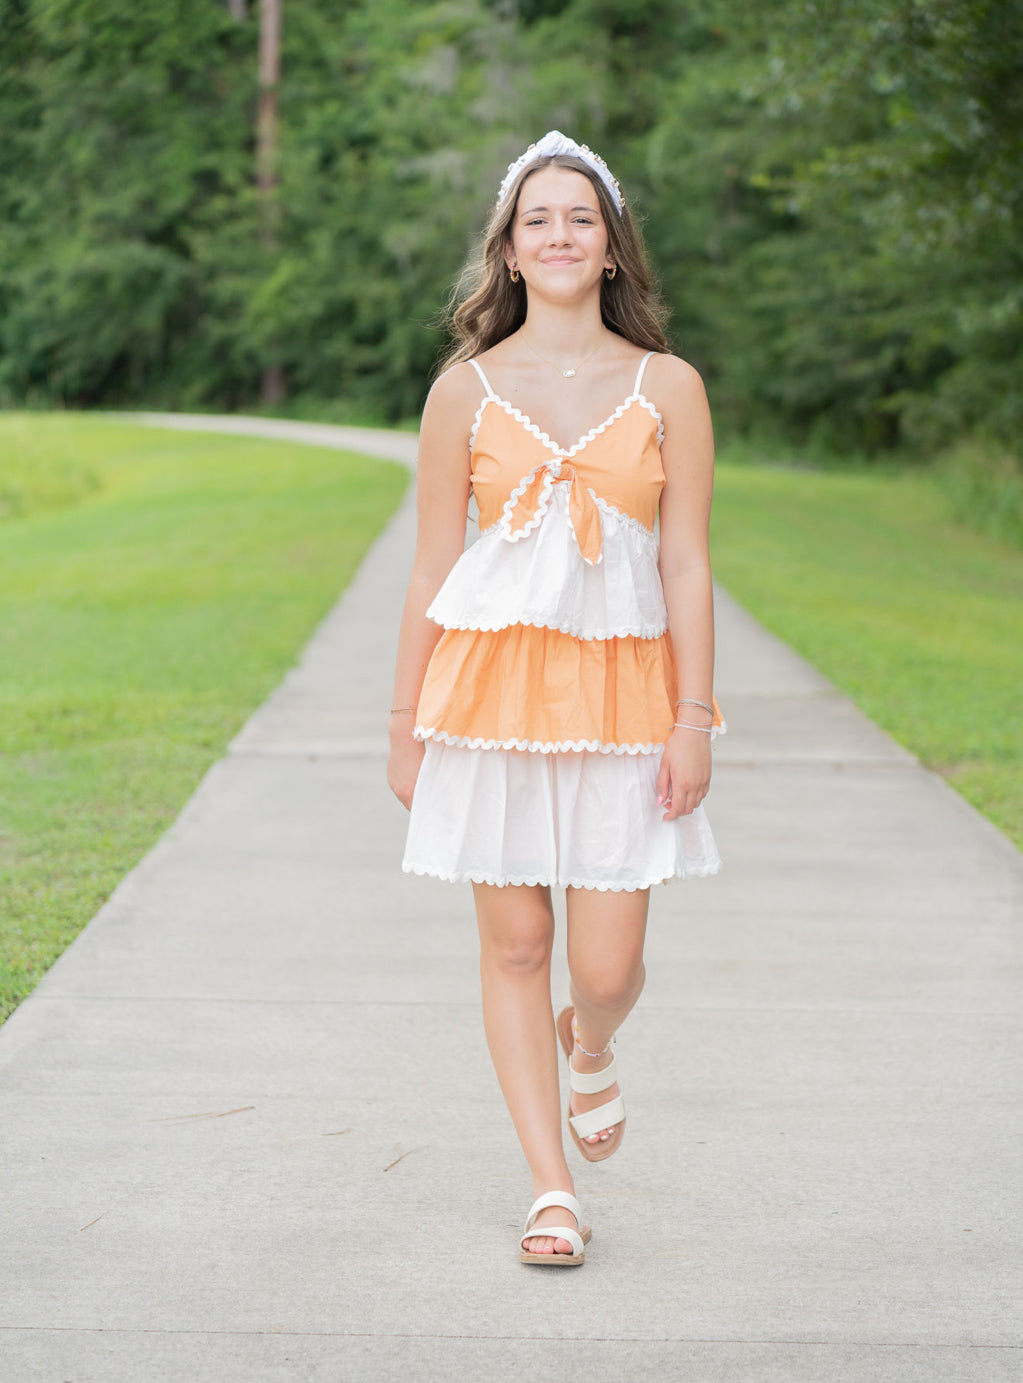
x=562, y=1246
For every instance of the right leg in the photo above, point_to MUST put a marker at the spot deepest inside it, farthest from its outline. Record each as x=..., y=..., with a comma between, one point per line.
x=516, y=926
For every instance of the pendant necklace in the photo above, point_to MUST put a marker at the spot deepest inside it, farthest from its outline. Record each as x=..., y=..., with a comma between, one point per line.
x=565, y=374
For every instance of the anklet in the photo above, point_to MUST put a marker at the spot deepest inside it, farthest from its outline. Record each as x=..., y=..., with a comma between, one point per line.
x=575, y=1034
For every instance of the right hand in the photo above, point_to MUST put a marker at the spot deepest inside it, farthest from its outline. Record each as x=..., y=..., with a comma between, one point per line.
x=403, y=766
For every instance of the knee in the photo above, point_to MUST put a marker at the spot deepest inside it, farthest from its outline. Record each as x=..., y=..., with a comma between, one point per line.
x=522, y=952
x=611, y=989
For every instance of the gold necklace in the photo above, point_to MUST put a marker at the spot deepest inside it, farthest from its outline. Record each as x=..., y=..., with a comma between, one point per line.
x=565, y=374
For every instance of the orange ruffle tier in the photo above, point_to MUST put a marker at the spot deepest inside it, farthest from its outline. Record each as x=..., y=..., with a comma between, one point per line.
x=536, y=688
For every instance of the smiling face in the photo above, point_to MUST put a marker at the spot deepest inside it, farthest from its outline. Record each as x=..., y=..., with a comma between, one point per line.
x=558, y=240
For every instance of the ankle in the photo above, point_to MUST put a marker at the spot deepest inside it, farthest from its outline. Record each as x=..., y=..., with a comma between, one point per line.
x=558, y=1181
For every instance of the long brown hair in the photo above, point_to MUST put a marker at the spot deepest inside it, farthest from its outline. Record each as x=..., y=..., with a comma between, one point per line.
x=486, y=306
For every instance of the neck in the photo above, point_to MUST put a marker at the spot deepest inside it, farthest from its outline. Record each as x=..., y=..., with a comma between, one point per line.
x=564, y=332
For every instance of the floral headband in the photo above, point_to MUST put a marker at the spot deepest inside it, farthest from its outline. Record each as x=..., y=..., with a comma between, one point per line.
x=554, y=142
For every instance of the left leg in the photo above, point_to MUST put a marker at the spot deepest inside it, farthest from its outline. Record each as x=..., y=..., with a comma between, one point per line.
x=606, y=934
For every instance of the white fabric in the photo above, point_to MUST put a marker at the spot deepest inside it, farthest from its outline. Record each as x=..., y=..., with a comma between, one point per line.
x=638, y=386
x=577, y=819
x=483, y=379
x=592, y=1082
x=596, y=1120
x=545, y=582
x=554, y=142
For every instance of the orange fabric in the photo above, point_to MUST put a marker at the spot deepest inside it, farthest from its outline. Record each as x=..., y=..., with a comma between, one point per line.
x=622, y=465
x=583, y=513
x=542, y=686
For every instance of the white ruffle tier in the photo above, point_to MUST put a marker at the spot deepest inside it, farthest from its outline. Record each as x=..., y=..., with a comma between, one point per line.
x=545, y=582
x=577, y=820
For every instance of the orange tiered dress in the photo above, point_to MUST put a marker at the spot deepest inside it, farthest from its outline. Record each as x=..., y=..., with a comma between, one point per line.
x=550, y=695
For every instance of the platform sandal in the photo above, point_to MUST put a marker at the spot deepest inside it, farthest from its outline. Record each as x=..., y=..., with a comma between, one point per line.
x=576, y=1237
x=586, y=1083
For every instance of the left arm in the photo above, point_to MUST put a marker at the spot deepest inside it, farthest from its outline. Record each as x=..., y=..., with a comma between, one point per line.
x=688, y=456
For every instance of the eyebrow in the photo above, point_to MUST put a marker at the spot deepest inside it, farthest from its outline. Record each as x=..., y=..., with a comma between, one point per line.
x=532, y=209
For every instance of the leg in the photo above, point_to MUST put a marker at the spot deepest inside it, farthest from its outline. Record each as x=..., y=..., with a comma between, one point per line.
x=516, y=926
x=606, y=933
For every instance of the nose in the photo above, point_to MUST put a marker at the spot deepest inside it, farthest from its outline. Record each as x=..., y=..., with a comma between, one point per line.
x=560, y=231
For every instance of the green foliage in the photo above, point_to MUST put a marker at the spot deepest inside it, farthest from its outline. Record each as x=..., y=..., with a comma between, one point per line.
x=140, y=623
x=832, y=194
x=912, y=615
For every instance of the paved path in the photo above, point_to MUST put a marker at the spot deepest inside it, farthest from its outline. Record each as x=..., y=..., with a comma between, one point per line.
x=251, y=1131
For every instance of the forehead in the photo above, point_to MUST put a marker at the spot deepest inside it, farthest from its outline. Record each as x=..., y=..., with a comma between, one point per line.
x=554, y=186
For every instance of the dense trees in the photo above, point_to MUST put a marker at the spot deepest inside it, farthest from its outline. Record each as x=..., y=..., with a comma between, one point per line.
x=832, y=193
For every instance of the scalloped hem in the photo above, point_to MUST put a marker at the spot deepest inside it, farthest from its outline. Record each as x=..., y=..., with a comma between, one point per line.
x=528, y=881
x=534, y=746
x=636, y=631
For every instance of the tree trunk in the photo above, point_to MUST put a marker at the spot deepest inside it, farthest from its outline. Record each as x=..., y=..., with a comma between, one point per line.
x=273, y=387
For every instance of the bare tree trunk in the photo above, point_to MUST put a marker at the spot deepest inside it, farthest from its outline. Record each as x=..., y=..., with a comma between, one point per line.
x=272, y=390
x=238, y=9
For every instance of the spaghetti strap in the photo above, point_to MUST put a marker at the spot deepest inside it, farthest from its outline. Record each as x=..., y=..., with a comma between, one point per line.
x=639, y=373
x=483, y=379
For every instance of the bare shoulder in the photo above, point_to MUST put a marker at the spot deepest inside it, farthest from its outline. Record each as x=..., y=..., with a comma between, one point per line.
x=456, y=389
x=675, y=384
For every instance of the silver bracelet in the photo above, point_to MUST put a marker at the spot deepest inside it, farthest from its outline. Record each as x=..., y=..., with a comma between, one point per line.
x=704, y=729
x=688, y=701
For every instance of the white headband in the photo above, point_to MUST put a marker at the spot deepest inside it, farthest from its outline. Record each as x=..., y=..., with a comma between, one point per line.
x=554, y=142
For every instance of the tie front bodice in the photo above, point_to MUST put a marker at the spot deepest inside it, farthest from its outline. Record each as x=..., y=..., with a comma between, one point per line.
x=616, y=465
x=528, y=503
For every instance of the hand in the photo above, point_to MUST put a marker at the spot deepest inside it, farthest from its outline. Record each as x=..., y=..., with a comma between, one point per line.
x=684, y=778
x=403, y=766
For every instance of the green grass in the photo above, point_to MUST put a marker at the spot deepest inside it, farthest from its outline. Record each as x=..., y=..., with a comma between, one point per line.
x=154, y=587
x=917, y=617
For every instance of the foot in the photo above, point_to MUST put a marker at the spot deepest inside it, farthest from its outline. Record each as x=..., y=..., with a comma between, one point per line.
x=581, y=1104
x=553, y=1215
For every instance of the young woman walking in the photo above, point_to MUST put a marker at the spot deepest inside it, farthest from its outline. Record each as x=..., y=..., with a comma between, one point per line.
x=553, y=708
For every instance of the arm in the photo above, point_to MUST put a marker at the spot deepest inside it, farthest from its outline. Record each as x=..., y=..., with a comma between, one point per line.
x=688, y=455
x=442, y=499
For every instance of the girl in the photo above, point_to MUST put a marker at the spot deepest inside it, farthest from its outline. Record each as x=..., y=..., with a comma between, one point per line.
x=553, y=709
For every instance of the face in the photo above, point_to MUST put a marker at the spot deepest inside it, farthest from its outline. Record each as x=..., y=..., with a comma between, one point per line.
x=558, y=242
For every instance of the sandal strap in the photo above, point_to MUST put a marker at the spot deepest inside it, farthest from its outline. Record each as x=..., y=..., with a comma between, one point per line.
x=592, y=1082
x=600, y=1118
x=555, y=1232
x=564, y=1199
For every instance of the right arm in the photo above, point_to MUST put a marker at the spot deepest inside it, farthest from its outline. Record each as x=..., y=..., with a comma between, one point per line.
x=442, y=498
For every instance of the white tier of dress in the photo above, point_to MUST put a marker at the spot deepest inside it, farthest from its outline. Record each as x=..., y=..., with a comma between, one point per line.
x=571, y=820
x=543, y=581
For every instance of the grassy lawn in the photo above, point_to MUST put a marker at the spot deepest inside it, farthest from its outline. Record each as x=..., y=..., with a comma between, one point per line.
x=154, y=587
x=919, y=619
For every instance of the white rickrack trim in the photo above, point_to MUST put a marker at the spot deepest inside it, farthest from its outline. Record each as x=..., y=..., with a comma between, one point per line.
x=431, y=732
x=543, y=503
x=476, y=422
x=473, y=876
x=634, y=631
x=588, y=437
x=610, y=510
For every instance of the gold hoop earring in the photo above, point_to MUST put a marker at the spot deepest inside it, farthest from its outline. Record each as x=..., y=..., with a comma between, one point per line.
x=610, y=273
x=513, y=274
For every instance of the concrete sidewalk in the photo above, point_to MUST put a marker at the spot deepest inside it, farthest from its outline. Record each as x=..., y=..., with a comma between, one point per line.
x=250, y=1128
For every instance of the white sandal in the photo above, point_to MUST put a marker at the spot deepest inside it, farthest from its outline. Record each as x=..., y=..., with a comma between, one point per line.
x=587, y=1083
x=576, y=1237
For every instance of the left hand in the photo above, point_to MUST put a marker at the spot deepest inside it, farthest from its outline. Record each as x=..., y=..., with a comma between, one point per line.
x=684, y=779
